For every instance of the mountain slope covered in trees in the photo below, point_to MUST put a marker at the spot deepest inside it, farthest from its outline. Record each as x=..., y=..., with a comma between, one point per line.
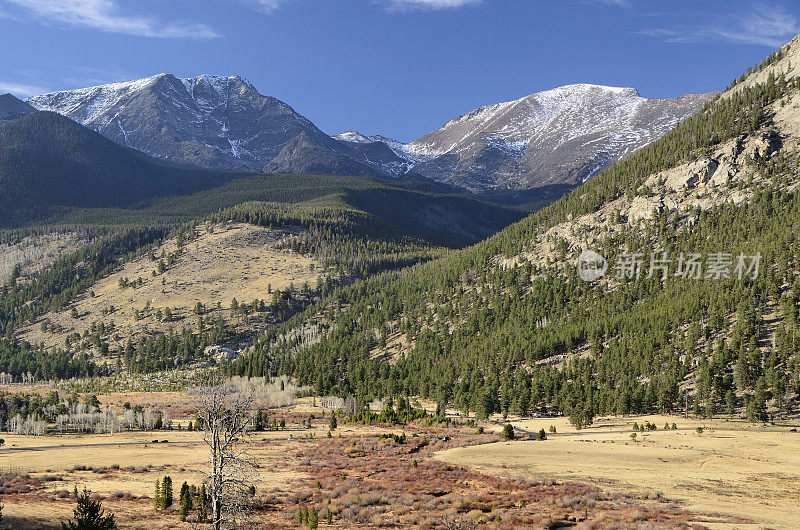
x=507, y=325
x=48, y=161
x=353, y=227
x=12, y=108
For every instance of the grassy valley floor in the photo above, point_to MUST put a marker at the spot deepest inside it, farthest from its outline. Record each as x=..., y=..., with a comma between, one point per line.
x=435, y=477
x=734, y=469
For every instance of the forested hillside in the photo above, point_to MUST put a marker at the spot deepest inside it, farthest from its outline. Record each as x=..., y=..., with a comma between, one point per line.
x=508, y=326
x=351, y=227
x=55, y=170
x=48, y=161
x=12, y=108
x=100, y=206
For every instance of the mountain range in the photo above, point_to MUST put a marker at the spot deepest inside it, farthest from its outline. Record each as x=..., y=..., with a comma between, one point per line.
x=560, y=136
x=52, y=168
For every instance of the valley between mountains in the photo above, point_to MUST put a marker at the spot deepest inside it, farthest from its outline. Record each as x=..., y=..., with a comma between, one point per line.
x=399, y=334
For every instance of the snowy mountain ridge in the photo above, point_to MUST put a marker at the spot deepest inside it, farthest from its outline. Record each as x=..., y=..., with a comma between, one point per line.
x=220, y=122
x=559, y=136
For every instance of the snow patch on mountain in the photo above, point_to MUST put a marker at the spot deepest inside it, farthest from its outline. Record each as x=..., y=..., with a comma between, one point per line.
x=564, y=135
x=205, y=99
x=355, y=137
x=87, y=105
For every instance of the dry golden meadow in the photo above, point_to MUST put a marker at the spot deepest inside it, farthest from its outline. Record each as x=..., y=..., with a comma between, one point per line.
x=732, y=475
x=732, y=468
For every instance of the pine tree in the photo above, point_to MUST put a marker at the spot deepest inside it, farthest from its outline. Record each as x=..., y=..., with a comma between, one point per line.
x=757, y=407
x=89, y=515
x=313, y=518
x=185, y=501
x=710, y=408
x=157, y=499
x=730, y=402
x=166, y=492
x=508, y=432
x=7, y=527
x=332, y=424
x=202, y=503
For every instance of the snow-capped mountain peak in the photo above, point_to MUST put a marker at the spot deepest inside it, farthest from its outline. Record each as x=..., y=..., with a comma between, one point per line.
x=563, y=135
x=209, y=120
x=559, y=136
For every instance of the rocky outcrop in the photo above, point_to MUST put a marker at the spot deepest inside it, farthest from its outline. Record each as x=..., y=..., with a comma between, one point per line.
x=643, y=208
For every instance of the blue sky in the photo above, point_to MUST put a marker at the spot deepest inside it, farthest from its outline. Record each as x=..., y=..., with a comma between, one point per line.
x=395, y=67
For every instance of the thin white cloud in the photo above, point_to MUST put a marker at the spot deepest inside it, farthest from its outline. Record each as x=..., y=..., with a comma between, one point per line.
x=20, y=90
x=765, y=25
x=266, y=6
x=105, y=15
x=269, y=6
x=618, y=3
x=411, y=5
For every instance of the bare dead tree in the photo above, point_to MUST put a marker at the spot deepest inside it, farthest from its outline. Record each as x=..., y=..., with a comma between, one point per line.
x=225, y=417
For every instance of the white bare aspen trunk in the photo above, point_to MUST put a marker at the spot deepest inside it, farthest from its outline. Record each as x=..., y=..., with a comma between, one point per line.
x=225, y=414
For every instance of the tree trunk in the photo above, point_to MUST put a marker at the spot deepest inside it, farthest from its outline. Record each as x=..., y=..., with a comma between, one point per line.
x=217, y=507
